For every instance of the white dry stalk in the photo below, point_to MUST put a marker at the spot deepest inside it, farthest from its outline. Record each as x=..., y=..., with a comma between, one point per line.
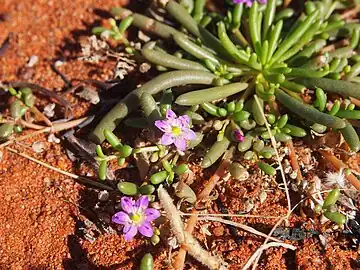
x=273, y=142
x=195, y=250
x=238, y=225
x=185, y=238
x=262, y=248
x=142, y=36
x=54, y=128
x=229, y=215
x=172, y=214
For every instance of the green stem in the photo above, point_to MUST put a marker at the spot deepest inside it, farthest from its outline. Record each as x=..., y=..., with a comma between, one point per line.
x=308, y=112
x=145, y=23
x=346, y=89
x=146, y=149
x=169, y=61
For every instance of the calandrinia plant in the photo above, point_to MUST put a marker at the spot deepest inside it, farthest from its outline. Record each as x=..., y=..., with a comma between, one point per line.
x=256, y=66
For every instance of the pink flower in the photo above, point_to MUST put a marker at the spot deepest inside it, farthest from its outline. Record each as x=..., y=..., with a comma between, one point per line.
x=249, y=3
x=136, y=217
x=176, y=130
x=238, y=135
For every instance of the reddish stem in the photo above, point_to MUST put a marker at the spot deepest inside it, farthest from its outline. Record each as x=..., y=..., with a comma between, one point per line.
x=210, y=185
x=338, y=164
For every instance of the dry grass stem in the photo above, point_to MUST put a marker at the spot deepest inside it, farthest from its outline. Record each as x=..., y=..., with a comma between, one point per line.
x=239, y=225
x=214, y=179
x=262, y=248
x=350, y=13
x=54, y=128
x=185, y=238
x=273, y=142
x=228, y=215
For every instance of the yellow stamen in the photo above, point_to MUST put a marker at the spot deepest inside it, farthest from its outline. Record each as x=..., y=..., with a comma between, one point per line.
x=176, y=131
x=136, y=218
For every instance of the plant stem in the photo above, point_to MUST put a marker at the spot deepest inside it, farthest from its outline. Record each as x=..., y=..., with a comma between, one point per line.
x=54, y=128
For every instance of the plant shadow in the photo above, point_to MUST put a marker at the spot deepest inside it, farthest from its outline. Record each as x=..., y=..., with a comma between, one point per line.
x=71, y=45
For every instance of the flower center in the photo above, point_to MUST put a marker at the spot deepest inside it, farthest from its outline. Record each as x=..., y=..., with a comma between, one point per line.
x=136, y=218
x=176, y=131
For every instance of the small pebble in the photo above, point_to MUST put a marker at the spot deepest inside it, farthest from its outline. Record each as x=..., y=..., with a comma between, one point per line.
x=263, y=196
x=143, y=36
x=103, y=196
x=38, y=147
x=323, y=240
x=58, y=63
x=53, y=139
x=48, y=182
x=144, y=67
x=32, y=61
x=49, y=110
x=218, y=231
x=89, y=95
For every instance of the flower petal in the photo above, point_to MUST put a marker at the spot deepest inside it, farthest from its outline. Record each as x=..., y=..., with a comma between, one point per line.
x=184, y=120
x=151, y=214
x=120, y=218
x=129, y=232
x=127, y=204
x=180, y=143
x=248, y=3
x=146, y=229
x=167, y=139
x=170, y=114
x=163, y=125
x=238, y=136
x=189, y=134
x=142, y=202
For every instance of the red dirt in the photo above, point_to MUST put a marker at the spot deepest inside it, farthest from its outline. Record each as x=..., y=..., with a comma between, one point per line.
x=39, y=208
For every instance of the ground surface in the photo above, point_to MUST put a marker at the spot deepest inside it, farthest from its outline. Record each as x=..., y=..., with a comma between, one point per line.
x=39, y=209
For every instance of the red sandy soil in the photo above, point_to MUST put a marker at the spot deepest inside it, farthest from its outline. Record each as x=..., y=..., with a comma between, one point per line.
x=39, y=208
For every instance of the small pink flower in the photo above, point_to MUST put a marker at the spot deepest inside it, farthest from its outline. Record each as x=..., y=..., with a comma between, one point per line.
x=176, y=130
x=136, y=217
x=238, y=135
x=249, y=3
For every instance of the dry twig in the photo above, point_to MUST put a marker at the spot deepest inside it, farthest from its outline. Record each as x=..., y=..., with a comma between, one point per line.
x=262, y=248
x=238, y=225
x=214, y=179
x=54, y=128
x=293, y=160
x=185, y=238
x=350, y=13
